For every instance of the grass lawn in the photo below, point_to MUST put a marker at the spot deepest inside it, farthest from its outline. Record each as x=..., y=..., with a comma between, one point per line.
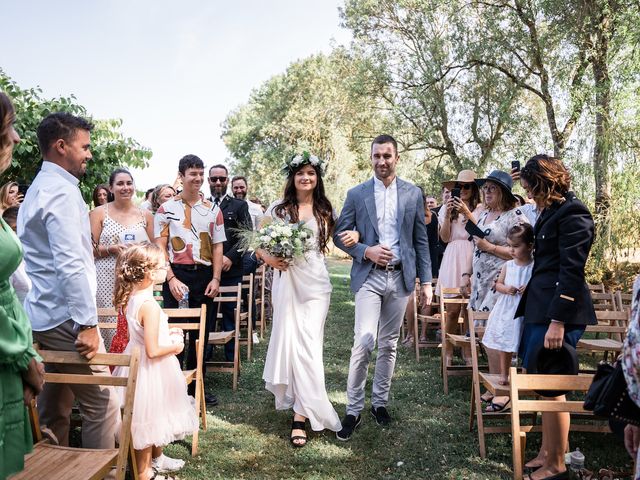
x=429, y=437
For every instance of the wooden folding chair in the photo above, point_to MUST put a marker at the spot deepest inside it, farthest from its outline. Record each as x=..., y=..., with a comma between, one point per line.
x=258, y=280
x=54, y=462
x=603, y=301
x=596, y=288
x=194, y=375
x=455, y=339
x=623, y=300
x=522, y=383
x=246, y=314
x=232, y=294
x=491, y=382
x=432, y=321
x=613, y=325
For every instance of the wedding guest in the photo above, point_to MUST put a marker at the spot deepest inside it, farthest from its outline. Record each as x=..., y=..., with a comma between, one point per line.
x=431, y=222
x=502, y=335
x=458, y=257
x=239, y=189
x=249, y=262
x=631, y=368
x=101, y=195
x=236, y=217
x=53, y=225
x=114, y=225
x=9, y=196
x=490, y=253
x=293, y=370
x=431, y=202
x=392, y=251
x=162, y=193
x=146, y=203
x=556, y=304
x=20, y=368
x=190, y=230
x=19, y=279
x=162, y=412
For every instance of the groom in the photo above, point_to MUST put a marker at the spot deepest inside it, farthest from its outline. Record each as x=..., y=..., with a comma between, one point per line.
x=389, y=215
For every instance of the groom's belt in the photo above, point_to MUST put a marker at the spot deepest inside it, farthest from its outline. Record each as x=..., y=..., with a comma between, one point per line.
x=388, y=268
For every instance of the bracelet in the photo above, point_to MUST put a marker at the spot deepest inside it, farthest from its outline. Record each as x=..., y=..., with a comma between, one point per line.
x=495, y=247
x=465, y=274
x=216, y=278
x=169, y=279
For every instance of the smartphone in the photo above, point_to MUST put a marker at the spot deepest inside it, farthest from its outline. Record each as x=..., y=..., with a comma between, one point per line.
x=455, y=192
x=515, y=165
x=474, y=230
x=22, y=189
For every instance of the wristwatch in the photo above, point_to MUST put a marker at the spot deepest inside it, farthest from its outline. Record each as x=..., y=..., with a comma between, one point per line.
x=81, y=328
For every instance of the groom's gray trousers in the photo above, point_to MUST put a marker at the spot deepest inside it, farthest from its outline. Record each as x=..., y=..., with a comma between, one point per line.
x=380, y=307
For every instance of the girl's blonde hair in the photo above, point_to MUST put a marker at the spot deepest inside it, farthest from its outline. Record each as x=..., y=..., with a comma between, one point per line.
x=132, y=266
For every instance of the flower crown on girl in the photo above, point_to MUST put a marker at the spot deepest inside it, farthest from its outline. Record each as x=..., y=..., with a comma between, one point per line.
x=304, y=158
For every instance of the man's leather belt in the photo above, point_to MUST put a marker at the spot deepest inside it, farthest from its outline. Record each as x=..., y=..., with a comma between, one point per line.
x=189, y=267
x=388, y=268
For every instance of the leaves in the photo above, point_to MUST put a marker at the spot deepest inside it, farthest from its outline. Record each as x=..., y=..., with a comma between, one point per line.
x=110, y=148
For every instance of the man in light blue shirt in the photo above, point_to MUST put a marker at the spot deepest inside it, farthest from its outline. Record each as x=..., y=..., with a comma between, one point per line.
x=53, y=226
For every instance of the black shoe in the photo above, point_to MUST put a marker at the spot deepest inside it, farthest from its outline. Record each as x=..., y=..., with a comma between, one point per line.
x=349, y=424
x=381, y=415
x=210, y=399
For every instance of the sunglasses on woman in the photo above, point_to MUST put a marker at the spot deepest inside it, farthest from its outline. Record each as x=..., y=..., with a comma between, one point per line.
x=463, y=186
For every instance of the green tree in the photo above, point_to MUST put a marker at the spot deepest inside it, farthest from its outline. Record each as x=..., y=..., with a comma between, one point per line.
x=309, y=107
x=110, y=148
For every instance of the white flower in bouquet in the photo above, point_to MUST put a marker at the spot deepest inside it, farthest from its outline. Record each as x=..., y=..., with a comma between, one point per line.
x=280, y=239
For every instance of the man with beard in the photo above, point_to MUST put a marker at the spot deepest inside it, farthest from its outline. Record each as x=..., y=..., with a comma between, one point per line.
x=236, y=216
x=239, y=189
x=53, y=226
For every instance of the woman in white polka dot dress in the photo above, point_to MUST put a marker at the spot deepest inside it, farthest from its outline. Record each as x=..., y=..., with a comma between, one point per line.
x=113, y=226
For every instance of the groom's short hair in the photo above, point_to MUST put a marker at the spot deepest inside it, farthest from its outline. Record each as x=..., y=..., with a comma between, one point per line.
x=380, y=139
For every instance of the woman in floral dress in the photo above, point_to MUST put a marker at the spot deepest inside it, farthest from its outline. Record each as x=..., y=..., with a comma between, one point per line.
x=491, y=252
x=631, y=367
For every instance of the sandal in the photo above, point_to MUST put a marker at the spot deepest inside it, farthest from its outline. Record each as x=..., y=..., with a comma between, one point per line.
x=497, y=407
x=486, y=397
x=295, y=425
x=162, y=476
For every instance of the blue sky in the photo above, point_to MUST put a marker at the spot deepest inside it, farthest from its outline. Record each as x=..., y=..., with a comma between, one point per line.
x=171, y=70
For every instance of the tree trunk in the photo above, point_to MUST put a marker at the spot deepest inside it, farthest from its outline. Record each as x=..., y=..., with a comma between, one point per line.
x=601, y=151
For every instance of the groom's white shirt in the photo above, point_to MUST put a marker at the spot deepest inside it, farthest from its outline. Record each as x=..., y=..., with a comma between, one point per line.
x=387, y=213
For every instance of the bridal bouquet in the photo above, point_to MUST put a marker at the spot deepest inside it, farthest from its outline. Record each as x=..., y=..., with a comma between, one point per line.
x=280, y=239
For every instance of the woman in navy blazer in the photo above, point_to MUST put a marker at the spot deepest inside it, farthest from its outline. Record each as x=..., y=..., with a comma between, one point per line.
x=556, y=304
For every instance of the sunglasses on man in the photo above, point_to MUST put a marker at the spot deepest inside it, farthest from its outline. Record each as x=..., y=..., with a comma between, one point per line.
x=218, y=179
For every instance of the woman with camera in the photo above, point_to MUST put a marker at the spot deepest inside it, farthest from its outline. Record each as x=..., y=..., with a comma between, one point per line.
x=463, y=206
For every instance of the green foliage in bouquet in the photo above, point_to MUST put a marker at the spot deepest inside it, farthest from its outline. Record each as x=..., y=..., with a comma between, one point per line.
x=280, y=239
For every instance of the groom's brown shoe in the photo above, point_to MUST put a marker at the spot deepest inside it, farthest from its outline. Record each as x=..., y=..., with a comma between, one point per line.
x=349, y=424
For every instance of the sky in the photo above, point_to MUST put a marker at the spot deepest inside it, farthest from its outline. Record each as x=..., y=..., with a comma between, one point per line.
x=172, y=71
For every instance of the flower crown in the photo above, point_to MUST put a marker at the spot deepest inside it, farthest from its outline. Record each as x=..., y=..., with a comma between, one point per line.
x=304, y=158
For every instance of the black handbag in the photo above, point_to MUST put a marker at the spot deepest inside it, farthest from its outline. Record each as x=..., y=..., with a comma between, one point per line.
x=608, y=395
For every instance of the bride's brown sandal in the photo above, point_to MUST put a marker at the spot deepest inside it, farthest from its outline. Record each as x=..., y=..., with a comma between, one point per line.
x=296, y=439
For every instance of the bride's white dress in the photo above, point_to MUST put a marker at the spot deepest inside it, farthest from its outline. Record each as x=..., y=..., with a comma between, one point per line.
x=294, y=369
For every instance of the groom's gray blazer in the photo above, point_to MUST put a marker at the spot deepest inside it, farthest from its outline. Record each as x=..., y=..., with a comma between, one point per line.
x=359, y=213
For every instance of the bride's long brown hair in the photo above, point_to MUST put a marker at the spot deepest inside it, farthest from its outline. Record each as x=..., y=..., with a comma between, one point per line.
x=322, y=209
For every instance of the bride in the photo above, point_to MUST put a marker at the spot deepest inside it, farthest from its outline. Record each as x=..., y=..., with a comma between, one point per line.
x=294, y=370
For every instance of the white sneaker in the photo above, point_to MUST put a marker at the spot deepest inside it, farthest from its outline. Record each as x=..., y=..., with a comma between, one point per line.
x=164, y=464
x=256, y=339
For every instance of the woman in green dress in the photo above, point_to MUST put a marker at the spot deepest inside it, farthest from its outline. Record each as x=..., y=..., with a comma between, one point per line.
x=20, y=369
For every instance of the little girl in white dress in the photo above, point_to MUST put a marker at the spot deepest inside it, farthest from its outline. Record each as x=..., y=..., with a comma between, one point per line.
x=502, y=335
x=162, y=411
